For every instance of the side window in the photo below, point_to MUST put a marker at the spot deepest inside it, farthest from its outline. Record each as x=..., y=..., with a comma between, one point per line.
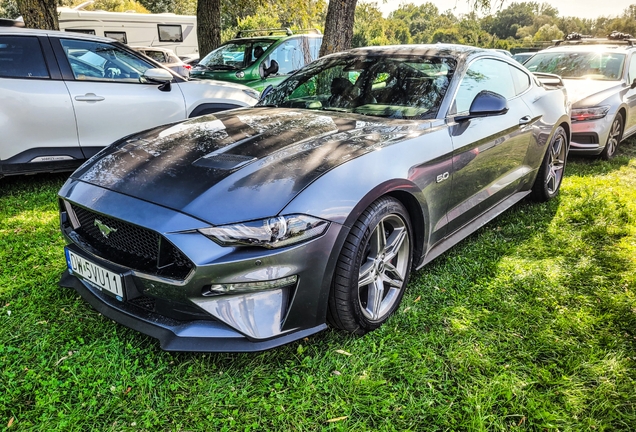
x=118, y=36
x=289, y=55
x=521, y=80
x=98, y=61
x=21, y=57
x=157, y=56
x=484, y=74
x=169, y=33
x=632, y=69
x=82, y=31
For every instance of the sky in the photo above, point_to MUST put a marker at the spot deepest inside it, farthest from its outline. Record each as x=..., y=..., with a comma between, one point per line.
x=578, y=8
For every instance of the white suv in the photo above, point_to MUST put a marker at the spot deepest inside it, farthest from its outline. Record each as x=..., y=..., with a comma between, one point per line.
x=64, y=96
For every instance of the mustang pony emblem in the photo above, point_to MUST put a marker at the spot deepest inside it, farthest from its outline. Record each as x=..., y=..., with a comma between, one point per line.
x=103, y=228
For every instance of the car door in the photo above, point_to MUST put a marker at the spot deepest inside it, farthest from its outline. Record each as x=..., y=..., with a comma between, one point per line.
x=630, y=99
x=488, y=152
x=110, y=95
x=36, y=113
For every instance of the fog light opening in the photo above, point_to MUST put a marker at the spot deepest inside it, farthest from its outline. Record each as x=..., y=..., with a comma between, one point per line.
x=246, y=287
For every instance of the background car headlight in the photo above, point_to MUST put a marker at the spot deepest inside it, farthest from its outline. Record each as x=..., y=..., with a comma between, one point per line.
x=582, y=114
x=269, y=233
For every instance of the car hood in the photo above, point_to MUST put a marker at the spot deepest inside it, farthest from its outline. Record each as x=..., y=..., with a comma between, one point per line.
x=239, y=165
x=584, y=93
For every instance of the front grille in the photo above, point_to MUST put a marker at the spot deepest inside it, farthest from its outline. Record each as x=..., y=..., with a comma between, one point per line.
x=144, y=302
x=130, y=245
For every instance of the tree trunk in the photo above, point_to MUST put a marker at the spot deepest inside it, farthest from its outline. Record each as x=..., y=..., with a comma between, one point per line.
x=338, y=26
x=208, y=25
x=39, y=14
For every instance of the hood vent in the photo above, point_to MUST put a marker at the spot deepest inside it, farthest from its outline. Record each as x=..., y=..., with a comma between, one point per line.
x=223, y=161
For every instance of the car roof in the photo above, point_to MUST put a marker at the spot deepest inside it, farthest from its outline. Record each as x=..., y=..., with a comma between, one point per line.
x=54, y=33
x=581, y=47
x=147, y=48
x=441, y=50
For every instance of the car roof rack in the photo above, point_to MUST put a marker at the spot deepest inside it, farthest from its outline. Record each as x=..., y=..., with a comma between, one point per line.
x=272, y=31
x=613, y=38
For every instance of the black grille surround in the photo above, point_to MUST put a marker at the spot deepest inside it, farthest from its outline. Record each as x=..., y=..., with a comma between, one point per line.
x=130, y=245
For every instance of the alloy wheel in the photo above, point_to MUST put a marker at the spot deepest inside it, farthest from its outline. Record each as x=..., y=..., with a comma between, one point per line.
x=556, y=164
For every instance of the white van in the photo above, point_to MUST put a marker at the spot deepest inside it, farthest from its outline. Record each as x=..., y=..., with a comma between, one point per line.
x=166, y=30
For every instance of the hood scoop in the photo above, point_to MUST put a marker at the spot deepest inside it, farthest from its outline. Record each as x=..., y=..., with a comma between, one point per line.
x=223, y=161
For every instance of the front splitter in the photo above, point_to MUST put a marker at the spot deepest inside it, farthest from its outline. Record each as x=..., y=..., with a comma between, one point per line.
x=173, y=335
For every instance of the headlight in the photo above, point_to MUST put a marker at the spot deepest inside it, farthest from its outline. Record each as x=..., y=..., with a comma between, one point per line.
x=270, y=233
x=582, y=114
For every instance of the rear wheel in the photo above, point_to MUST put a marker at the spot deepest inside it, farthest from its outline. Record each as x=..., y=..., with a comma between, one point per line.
x=548, y=181
x=373, y=268
x=614, y=138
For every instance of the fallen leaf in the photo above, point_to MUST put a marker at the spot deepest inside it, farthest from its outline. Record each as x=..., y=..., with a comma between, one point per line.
x=406, y=309
x=337, y=419
x=128, y=389
x=335, y=372
x=523, y=419
x=343, y=352
x=417, y=299
x=10, y=422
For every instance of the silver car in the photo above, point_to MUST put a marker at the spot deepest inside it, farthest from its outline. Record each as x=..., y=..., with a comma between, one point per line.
x=65, y=96
x=166, y=57
x=601, y=84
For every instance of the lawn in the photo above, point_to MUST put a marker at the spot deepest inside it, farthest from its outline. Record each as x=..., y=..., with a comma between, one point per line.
x=529, y=324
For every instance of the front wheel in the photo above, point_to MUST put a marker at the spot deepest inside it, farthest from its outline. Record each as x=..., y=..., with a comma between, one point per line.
x=614, y=138
x=373, y=268
x=548, y=181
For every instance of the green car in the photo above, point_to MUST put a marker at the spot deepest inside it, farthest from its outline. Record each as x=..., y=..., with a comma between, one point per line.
x=260, y=61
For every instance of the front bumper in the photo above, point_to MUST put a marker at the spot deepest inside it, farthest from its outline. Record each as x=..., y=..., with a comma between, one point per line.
x=180, y=312
x=589, y=137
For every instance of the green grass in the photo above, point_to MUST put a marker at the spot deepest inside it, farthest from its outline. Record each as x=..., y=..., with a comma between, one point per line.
x=530, y=324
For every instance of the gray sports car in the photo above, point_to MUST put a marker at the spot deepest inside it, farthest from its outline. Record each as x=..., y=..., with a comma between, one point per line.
x=248, y=229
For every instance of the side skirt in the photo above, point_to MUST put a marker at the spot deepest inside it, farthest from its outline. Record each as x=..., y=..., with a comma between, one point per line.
x=471, y=227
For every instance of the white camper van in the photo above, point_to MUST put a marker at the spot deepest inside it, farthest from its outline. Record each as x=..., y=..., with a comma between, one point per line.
x=166, y=30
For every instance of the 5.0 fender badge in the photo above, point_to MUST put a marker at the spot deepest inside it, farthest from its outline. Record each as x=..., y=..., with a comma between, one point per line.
x=103, y=228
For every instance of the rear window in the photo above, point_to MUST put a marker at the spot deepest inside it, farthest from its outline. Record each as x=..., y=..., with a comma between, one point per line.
x=602, y=66
x=21, y=57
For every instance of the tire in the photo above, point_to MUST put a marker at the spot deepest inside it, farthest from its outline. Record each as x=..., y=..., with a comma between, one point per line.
x=548, y=182
x=379, y=251
x=614, y=138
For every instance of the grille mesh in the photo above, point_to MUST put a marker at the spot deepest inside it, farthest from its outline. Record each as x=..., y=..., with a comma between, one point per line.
x=130, y=245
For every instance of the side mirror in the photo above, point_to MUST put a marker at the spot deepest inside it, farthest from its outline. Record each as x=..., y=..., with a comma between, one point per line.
x=266, y=91
x=266, y=71
x=158, y=75
x=485, y=104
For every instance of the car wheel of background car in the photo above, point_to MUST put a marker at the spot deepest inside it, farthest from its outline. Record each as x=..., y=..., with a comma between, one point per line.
x=548, y=181
x=373, y=268
x=614, y=138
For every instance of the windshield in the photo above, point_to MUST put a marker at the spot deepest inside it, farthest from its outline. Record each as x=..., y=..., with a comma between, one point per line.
x=235, y=55
x=579, y=65
x=377, y=85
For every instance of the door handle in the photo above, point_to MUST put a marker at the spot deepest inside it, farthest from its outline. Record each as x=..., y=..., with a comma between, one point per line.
x=89, y=97
x=525, y=120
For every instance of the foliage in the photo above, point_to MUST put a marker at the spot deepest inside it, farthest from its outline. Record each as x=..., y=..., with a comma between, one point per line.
x=548, y=32
x=529, y=324
x=9, y=9
x=115, y=6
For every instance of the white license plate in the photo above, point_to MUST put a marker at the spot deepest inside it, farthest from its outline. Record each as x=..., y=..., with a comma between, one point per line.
x=97, y=275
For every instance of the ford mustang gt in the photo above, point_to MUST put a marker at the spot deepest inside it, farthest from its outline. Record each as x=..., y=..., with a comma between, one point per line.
x=251, y=228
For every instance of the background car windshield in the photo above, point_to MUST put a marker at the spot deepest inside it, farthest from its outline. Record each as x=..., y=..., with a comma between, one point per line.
x=579, y=65
x=383, y=86
x=235, y=55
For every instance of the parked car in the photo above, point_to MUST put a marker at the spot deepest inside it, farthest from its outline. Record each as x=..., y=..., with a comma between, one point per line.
x=523, y=57
x=600, y=79
x=65, y=96
x=260, y=61
x=191, y=60
x=167, y=58
x=251, y=228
